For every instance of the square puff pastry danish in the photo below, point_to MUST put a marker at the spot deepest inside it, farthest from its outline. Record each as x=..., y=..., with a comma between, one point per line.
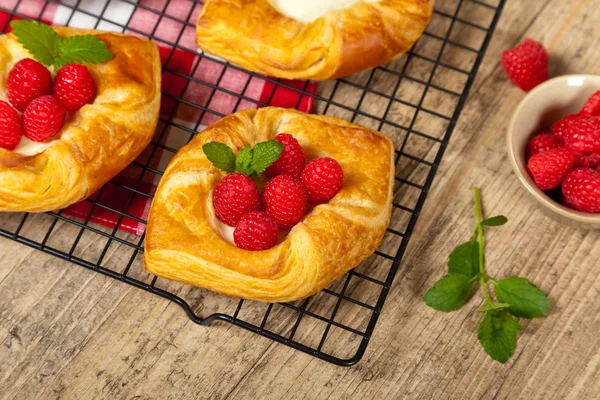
x=182, y=239
x=97, y=141
x=255, y=36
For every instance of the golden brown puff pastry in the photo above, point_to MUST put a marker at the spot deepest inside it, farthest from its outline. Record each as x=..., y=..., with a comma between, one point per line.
x=182, y=239
x=253, y=35
x=96, y=142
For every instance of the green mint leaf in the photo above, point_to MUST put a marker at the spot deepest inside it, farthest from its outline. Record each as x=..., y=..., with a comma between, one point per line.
x=526, y=300
x=39, y=39
x=449, y=293
x=498, y=335
x=494, y=306
x=220, y=155
x=243, y=161
x=465, y=259
x=265, y=154
x=498, y=220
x=82, y=49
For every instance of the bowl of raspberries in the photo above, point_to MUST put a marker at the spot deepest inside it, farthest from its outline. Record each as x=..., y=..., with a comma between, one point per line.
x=554, y=147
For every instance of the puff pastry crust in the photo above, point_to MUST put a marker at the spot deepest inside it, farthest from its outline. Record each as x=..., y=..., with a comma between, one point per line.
x=96, y=142
x=182, y=239
x=253, y=35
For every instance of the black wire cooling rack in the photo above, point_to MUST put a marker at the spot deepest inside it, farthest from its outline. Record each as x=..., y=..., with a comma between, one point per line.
x=415, y=100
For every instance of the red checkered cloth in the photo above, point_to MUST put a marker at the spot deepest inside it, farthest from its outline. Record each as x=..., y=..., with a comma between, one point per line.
x=213, y=86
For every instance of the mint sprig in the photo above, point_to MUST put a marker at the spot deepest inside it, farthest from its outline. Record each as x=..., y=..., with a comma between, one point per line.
x=516, y=296
x=249, y=161
x=44, y=44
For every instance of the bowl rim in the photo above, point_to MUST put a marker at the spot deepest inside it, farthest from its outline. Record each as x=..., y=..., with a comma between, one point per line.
x=536, y=192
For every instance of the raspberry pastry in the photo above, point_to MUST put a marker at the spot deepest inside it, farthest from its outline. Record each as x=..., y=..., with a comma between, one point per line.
x=75, y=116
x=311, y=39
x=297, y=236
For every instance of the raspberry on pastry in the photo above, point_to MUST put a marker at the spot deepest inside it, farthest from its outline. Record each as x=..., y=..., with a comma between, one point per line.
x=285, y=201
x=43, y=119
x=235, y=196
x=322, y=178
x=256, y=231
x=26, y=81
x=74, y=86
x=10, y=126
x=291, y=161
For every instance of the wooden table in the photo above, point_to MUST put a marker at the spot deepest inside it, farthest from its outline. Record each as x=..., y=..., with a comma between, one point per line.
x=69, y=333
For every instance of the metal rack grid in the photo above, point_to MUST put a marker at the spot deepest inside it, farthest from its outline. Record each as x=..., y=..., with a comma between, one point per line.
x=415, y=100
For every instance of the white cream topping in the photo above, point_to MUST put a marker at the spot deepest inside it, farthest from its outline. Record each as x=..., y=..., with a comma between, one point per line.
x=28, y=147
x=310, y=10
x=226, y=232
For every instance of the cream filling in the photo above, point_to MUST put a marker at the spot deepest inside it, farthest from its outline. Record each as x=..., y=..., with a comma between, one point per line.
x=310, y=10
x=226, y=232
x=28, y=147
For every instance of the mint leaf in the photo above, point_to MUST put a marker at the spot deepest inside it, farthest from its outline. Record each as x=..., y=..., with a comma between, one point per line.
x=220, y=155
x=498, y=220
x=465, y=260
x=265, y=154
x=47, y=47
x=243, y=161
x=494, y=306
x=526, y=300
x=498, y=335
x=449, y=293
x=39, y=39
x=250, y=162
x=82, y=49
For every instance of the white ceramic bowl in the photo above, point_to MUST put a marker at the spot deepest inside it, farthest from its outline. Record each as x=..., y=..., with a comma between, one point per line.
x=537, y=112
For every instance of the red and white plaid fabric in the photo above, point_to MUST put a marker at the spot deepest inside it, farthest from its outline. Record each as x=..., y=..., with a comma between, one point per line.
x=214, y=86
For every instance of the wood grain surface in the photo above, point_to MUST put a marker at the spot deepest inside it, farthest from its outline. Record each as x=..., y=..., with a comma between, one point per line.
x=69, y=333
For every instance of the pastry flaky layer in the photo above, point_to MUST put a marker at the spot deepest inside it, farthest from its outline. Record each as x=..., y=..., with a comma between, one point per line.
x=96, y=142
x=182, y=239
x=253, y=35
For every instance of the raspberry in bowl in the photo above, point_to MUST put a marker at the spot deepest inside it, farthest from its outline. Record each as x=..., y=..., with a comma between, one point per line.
x=554, y=148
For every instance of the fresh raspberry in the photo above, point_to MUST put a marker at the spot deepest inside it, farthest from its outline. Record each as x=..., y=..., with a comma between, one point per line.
x=581, y=190
x=589, y=160
x=74, y=86
x=322, y=178
x=26, y=81
x=584, y=135
x=592, y=106
x=43, y=119
x=285, y=201
x=291, y=160
x=10, y=126
x=548, y=169
x=235, y=196
x=256, y=231
x=542, y=143
x=526, y=65
x=561, y=127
